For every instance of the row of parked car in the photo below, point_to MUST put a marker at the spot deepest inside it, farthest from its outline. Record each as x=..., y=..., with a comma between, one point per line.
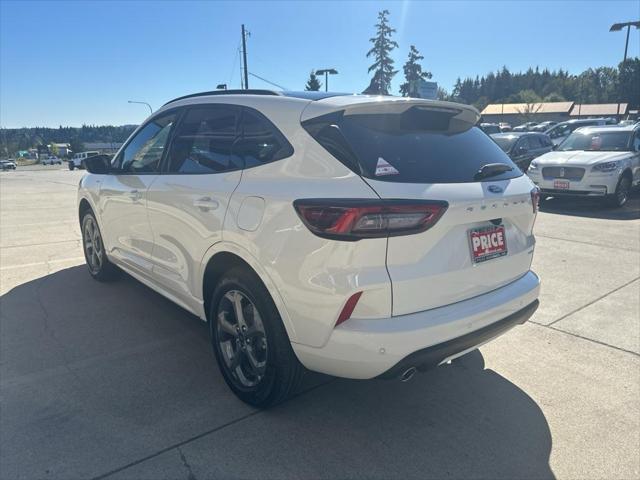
x=578, y=158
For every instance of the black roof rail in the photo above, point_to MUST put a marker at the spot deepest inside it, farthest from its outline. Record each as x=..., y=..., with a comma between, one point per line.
x=226, y=92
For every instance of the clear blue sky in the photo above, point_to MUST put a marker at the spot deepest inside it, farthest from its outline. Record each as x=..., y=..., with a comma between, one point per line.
x=68, y=63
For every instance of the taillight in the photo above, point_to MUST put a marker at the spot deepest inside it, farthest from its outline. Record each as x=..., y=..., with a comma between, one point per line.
x=535, y=198
x=354, y=219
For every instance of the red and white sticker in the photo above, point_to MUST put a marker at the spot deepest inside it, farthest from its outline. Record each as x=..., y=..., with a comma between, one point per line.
x=487, y=243
x=385, y=168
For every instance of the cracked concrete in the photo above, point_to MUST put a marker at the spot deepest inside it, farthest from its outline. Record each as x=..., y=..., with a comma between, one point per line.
x=113, y=381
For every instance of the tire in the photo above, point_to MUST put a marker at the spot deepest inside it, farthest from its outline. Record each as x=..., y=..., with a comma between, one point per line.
x=254, y=353
x=621, y=195
x=71, y=166
x=98, y=264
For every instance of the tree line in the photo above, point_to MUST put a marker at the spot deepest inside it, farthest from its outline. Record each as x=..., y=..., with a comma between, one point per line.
x=594, y=85
x=13, y=140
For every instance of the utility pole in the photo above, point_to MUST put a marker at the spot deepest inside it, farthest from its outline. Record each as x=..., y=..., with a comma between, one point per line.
x=244, y=58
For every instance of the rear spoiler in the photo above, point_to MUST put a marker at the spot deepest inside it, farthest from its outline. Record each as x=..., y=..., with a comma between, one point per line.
x=463, y=116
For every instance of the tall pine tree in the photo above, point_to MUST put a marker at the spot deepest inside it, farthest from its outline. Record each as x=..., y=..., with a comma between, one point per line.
x=382, y=67
x=413, y=74
x=313, y=84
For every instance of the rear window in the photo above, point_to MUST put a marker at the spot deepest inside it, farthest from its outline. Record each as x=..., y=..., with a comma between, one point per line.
x=416, y=146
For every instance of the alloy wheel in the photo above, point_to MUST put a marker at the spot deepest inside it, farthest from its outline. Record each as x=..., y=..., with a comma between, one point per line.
x=242, y=340
x=623, y=191
x=93, y=247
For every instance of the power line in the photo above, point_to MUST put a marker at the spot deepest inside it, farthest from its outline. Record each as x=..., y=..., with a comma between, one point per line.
x=235, y=60
x=267, y=81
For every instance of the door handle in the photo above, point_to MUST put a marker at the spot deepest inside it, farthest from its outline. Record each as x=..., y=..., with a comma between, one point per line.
x=206, y=203
x=135, y=195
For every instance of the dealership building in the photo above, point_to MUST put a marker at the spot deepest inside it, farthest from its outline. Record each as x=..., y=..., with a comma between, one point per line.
x=517, y=113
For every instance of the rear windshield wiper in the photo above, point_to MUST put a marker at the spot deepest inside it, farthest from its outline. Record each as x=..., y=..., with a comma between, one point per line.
x=491, y=170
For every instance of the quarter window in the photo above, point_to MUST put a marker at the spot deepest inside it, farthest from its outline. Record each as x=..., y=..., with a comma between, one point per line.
x=261, y=142
x=144, y=152
x=204, y=140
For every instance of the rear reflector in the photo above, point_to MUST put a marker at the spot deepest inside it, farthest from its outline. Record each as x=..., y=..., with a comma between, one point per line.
x=353, y=219
x=346, y=312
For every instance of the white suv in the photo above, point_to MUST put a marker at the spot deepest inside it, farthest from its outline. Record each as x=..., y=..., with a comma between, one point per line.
x=353, y=235
x=51, y=160
x=77, y=161
x=593, y=161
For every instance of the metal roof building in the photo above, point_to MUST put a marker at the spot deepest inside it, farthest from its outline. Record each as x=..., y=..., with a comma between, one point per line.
x=516, y=113
x=599, y=110
x=523, y=108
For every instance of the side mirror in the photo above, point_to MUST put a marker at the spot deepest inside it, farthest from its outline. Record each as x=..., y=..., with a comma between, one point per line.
x=521, y=151
x=555, y=146
x=98, y=164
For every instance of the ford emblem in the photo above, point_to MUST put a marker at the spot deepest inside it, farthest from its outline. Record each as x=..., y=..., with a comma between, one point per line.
x=495, y=189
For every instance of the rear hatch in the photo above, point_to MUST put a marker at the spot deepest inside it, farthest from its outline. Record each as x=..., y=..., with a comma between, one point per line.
x=430, y=151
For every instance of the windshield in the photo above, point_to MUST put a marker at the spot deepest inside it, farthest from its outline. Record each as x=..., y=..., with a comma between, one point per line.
x=505, y=143
x=597, y=141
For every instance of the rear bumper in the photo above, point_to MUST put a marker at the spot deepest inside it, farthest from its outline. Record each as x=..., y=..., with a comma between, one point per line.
x=368, y=348
x=437, y=354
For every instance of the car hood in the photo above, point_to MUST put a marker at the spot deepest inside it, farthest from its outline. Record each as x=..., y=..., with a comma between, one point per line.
x=580, y=157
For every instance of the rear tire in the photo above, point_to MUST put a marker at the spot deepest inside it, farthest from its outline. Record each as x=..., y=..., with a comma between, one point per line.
x=621, y=195
x=250, y=343
x=98, y=264
x=71, y=166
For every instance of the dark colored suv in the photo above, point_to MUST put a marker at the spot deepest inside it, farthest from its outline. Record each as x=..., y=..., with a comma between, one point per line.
x=522, y=147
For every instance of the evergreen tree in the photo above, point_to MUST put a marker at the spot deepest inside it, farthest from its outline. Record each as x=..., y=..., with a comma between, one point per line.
x=382, y=67
x=628, y=87
x=313, y=84
x=413, y=74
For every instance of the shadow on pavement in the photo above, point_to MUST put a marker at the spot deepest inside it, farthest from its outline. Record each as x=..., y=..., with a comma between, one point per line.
x=593, y=208
x=94, y=377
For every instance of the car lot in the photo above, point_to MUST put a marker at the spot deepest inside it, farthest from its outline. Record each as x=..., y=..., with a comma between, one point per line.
x=114, y=381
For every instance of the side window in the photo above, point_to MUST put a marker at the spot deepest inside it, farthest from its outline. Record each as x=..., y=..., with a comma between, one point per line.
x=144, y=151
x=261, y=142
x=535, y=143
x=636, y=141
x=203, y=141
x=522, y=146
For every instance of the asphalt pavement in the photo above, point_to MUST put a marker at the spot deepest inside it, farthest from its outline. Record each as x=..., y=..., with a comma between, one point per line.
x=114, y=381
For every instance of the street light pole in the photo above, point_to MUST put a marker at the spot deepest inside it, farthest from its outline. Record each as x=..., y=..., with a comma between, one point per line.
x=142, y=103
x=327, y=72
x=616, y=27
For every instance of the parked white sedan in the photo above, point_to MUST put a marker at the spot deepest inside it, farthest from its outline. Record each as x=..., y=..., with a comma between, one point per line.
x=592, y=161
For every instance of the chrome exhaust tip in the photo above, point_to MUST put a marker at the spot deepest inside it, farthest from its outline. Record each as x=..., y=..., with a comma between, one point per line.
x=408, y=374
